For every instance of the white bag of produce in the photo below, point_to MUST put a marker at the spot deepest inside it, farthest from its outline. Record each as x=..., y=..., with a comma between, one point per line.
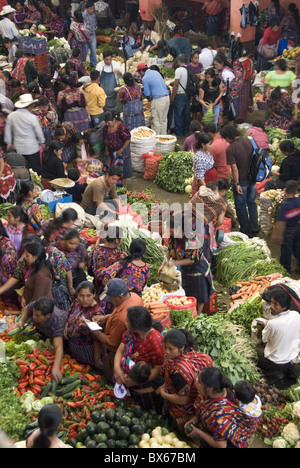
x=266, y=216
x=228, y=241
x=165, y=143
x=80, y=221
x=180, y=292
x=142, y=141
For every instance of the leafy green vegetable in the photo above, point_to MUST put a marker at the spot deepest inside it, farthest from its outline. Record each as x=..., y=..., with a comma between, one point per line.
x=173, y=170
x=19, y=350
x=227, y=344
x=247, y=312
x=179, y=317
x=13, y=419
x=250, y=260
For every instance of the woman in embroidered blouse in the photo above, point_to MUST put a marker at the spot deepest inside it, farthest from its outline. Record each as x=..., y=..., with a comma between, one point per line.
x=130, y=95
x=47, y=117
x=8, y=256
x=79, y=34
x=105, y=254
x=56, y=24
x=143, y=342
x=117, y=143
x=62, y=275
x=34, y=16
x=131, y=269
x=219, y=422
x=26, y=199
x=80, y=342
x=185, y=251
x=72, y=105
x=38, y=276
x=76, y=255
x=18, y=226
x=203, y=163
x=180, y=371
x=56, y=228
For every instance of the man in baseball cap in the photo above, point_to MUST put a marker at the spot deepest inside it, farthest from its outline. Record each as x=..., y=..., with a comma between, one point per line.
x=156, y=91
x=142, y=67
x=115, y=324
x=114, y=288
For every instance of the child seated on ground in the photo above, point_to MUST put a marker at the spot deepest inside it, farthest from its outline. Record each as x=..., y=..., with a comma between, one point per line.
x=249, y=403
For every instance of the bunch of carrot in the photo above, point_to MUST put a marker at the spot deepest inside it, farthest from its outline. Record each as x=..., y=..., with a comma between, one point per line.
x=260, y=284
x=158, y=310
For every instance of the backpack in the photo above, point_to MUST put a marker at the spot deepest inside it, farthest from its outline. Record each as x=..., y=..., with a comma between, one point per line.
x=261, y=164
x=192, y=85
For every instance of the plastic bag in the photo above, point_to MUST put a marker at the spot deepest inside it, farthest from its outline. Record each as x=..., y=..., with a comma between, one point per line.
x=151, y=164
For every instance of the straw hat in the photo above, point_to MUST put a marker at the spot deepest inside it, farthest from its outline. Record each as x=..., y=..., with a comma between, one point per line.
x=6, y=10
x=25, y=100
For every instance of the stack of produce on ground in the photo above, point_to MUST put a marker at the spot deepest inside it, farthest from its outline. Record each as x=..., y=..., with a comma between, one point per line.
x=253, y=261
x=225, y=343
x=173, y=170
x=243, y=290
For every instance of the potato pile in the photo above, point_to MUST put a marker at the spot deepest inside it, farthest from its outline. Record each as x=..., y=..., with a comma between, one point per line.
x=179, y=301
x=151, y=295
x=143, y=133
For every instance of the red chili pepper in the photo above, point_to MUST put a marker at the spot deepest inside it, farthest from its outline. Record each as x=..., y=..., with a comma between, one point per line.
x=110, y=404
x=39, y=381
x=80, y=404
x=23, y=384
x=23, y=370
x=87, y=414
x=71, y=404
x=21, y=362
x=73, y=427
x=93, y=400
x=24, y=379
x=38, y=373
x=37, y=388
x=72, y=435
x=32, y=366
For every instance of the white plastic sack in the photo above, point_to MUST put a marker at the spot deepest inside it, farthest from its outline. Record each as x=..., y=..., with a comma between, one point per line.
x=60, y=207
x=165, y=146
x=139, y=146
x=266, y=214
x=228, y=241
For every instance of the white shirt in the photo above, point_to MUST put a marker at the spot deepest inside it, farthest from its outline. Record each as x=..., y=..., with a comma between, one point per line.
x=8, y=29
x=206, y=57
x=24, y=131
x=281, y=336
x=115, y=66
x=181, y=74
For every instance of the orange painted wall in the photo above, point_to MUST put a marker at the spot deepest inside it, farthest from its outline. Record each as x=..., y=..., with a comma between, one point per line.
x=248, y=34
